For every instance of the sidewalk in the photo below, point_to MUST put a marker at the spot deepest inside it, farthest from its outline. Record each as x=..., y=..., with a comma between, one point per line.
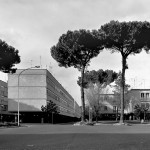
x=69, y=137
x=67, y=129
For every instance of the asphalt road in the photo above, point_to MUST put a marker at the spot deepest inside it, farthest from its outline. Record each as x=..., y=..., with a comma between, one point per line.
x=67, y=137
x=75, y=142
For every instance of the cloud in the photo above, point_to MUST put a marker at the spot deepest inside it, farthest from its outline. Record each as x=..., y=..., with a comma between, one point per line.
x=34, y=26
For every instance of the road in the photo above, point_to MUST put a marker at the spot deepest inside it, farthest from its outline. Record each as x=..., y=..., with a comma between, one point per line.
x=68, y=137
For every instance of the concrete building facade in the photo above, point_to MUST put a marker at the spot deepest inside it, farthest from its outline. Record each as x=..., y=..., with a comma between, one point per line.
x=110, y=106
x=139, y=96
x=34, y=88
x=3, y=100
x=111, y=103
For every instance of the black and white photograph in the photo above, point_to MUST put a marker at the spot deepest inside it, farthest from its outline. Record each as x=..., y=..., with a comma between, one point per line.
x=74, y=74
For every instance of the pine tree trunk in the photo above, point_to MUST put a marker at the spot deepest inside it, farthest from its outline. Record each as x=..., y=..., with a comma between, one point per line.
x=122, y=89
x=116, y=113
x=82, y=96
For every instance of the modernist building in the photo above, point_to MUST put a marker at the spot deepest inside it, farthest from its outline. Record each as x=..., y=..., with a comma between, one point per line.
x=139, y=96
x=33, y=88
x=3, y=100
x=110, y=102
x=110, y=106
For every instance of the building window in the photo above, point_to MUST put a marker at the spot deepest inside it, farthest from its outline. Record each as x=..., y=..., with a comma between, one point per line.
x=51, y=83
x=142, y=95
x=63, y=109
x=62, y=100
x=2, y=93
x=114, y=108
x=105, y=108
x=52, y=95
x=147, y=105
x=143, y=105
x=147, y=95
x=5, y=108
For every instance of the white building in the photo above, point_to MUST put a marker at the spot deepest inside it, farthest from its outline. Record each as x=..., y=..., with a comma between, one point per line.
x=34, y=88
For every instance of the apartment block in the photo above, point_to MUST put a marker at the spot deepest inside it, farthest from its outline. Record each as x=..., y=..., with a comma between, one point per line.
x=139, y=96
x=3, y=100
x=33, y=88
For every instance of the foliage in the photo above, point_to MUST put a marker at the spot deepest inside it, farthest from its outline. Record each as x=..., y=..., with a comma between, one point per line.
x=100, y=77
x=126, y=38
x=117, y=92
x=117, y=86
x=96, y=82
x=94, y=100
x=51, y=107
x=8, y=57
x=138, y=110
x=77, y=48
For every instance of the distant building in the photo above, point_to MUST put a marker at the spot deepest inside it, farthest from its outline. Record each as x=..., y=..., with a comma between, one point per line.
x=110, y=106
x=3, y=100
x=110, y=103
x=139, y=96
x=34, y=88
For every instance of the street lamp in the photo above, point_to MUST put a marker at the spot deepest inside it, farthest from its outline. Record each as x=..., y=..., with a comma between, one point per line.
x=18, y=86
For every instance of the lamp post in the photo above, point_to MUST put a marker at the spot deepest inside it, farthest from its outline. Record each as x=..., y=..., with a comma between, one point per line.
x=18, y=86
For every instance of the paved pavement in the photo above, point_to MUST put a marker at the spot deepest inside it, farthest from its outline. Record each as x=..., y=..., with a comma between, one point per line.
x=59, y=129
x=75, y=142
x=68, y=137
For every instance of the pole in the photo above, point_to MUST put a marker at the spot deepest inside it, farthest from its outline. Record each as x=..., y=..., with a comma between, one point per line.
x=18, y=88
x=18, y=99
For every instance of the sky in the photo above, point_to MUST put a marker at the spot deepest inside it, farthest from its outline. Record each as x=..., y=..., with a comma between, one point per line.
x=34, y=26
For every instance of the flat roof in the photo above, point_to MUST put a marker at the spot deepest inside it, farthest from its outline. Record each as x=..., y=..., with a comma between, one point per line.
x=141, y=89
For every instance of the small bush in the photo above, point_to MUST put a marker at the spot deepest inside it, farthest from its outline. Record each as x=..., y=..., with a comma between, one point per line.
x=90, y=123
x=7, y=124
